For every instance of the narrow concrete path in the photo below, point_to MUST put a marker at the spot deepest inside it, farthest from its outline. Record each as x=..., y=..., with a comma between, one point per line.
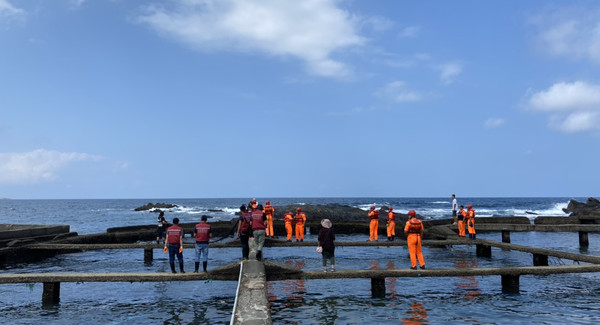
x=251, y=303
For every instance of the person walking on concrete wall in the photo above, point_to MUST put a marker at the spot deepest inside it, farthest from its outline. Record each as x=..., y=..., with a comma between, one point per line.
x=414, y=233
x=326, y=242
x=202, y=233
x=258, y=230
x=161, y=230
x=175, y=245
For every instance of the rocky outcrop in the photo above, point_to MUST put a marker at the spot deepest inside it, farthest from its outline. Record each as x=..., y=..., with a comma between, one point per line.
x=588, y=212
x=334, y=212
x=151, y=206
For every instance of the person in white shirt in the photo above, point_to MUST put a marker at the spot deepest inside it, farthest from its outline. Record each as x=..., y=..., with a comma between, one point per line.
x=454, y=208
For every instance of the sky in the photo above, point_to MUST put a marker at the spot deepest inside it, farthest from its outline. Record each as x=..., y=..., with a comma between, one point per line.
x=313, y=98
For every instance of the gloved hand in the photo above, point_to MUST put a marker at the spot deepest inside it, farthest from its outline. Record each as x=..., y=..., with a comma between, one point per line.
x=165, y=250
x=180, y=249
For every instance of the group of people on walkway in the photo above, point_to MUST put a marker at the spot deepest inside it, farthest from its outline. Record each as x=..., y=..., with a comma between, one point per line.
x=174, y=243
x=464, y=219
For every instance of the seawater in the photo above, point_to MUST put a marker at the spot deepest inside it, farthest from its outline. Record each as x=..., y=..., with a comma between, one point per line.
x=554, y=299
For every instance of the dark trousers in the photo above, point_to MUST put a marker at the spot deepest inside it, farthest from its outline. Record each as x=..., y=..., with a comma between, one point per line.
x=173, y=251
x=245, y=246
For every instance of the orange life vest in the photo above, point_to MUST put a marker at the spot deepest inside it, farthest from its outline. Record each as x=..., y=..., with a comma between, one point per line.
x=391, y=216
x=299, y=218
x=414, y=226
x=374, y=214
x=288, y=218
x=269, y=210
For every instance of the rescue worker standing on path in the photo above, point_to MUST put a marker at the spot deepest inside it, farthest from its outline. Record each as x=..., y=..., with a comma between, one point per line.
x=374, y=223
x=269, y=211
x=202, y=233
x=414, y=232
x=300, y=219
x=391, y=224
x=462, y=214
x=471, y=221
x=288, y=218
x=175, y=241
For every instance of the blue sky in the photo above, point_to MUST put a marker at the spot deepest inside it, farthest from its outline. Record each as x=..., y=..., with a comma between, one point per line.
x=248, y=98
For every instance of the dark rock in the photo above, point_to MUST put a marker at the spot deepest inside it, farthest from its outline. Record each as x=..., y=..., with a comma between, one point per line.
x=588, y=212
x=335, y=213
x=151, y=206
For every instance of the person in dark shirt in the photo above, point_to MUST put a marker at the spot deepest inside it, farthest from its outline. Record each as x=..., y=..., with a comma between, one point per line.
x=326, y=241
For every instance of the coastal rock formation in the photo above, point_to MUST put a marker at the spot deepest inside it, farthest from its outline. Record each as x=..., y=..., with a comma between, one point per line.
x=151, y=206
x=334, y=212
x=588, y=212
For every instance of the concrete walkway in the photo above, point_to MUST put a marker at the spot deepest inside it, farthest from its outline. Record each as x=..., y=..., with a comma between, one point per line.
x=251, y=303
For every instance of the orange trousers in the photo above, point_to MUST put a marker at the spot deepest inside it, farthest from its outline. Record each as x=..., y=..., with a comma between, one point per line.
x=414, y=248
x=269, y=230
x=461, y=228
x=391, y=229
x=288, y=230
x=300, y=231
x=471, y=227
x=373, y=227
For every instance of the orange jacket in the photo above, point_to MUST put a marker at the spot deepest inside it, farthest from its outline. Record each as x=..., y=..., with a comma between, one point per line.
x=391, y=216
x=374, y=214
x=413, y=226
x=300, y=218
x=269, y=210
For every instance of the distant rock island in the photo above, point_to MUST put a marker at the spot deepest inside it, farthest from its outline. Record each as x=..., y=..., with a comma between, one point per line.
x=151, y=206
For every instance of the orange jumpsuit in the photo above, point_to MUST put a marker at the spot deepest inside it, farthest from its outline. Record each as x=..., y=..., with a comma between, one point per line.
x=300, y=219
x=414, y=232
x=471, y=223
x=288, y=219
x=462, y=214
x=391, y=228
x=269, y=211
x=374, y=225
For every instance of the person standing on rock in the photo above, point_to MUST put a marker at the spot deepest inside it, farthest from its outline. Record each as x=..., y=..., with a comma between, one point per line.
x=161, y=230
x=258, y=230
x=244, y=231
x=175, y=245
x=373, y=224
x=269, y=212
x=462, y=214
x=414, y=233
x=202, y=233
x=288, y=219
x=299, y=219
x=326, y=242
x=454, y=208
x=391, y=224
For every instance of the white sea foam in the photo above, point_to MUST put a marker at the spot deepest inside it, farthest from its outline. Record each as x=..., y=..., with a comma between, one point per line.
x=441, y=202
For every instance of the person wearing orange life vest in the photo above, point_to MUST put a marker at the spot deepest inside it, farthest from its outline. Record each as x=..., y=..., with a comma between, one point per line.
x=391, y=224
x=299, y=219
x=471, y=221
x=269, y=211
x=288, y=218
x=414, y=232
x=462, y=214
x=202, y=232
x=374, y=223
x=174, y=241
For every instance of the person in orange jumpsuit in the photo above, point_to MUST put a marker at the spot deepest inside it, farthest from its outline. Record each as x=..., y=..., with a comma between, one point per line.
x=300, y=219
x=471, y=221
x=269, y=211
x=462, y=213
x=414, y=232
x=288, y=218
x=391, y=224
x=374, y=223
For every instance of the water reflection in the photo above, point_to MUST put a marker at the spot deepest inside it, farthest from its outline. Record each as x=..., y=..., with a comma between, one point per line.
x=469, y=284
x=416, y=315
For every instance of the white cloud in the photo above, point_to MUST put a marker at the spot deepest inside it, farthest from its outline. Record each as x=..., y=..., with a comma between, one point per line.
x=36, y=166
x=449, y=71
x=574, y=107
x=492, y=123
x=409, y=32
x=398, y=92
x=7, y=9
x=310, y=30
x=572, y=33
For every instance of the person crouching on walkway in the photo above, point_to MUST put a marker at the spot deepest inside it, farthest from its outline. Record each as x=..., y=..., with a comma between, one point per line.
x=391, y=224
x=462, y=213
x=203, y=233
x=258, y=230
x=175, y=241
x=244, y=231
x=300, y=219
x=471, y=221
x=374, y=223
x=414, y=232
x=326, y=239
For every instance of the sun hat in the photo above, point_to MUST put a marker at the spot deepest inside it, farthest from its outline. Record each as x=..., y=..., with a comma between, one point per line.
x=326, y=223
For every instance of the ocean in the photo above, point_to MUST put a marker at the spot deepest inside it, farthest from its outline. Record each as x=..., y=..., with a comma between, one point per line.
x=554, y=299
